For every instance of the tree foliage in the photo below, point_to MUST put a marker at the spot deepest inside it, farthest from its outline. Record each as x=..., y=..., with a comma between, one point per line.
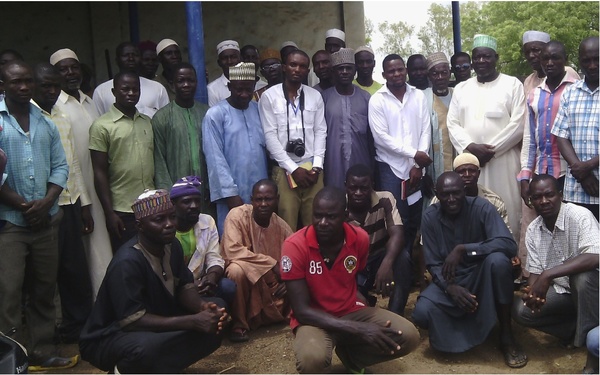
x=396, y=38
x=369, y=27
x=436, y=35
x=568, y=22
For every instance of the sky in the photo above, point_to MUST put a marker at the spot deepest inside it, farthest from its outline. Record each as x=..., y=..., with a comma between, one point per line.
x=412, y=12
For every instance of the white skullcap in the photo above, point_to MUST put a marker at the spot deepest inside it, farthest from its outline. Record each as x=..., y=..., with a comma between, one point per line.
x=336, y=33
x=364, y=49
x=164, y=44
x=465, y=158
x=62, y=54
x=288, y=43
x=535, y=36
x=227, y=44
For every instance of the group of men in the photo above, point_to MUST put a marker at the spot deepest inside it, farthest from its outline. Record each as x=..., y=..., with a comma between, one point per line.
x=268, y=159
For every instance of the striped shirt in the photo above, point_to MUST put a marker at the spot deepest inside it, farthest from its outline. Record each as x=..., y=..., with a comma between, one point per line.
x=577, y=120
x=575, y=232
x=539, y=153
x=382, y=214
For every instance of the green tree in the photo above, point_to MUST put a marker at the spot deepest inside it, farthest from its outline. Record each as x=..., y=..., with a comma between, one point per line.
x=368, y=31
x=568, y=22
x=396, y=38
x=436, y=35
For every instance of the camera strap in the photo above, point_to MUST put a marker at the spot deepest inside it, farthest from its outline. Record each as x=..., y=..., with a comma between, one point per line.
x=287, y=112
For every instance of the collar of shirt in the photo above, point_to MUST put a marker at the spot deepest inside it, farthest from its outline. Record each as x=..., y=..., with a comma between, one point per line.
x=560, y=220
x=568, y=78
x=584, y=87
x=313, y=243
x=116, y=115
x=34, y=111
x=409, y=90
x=83, y=98
x=224, y=80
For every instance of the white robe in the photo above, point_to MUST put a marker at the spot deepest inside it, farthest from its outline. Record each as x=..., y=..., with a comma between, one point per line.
x=493, y=113
x=97, y=244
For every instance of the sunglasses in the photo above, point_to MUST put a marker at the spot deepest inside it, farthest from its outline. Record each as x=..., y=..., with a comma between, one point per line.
x=465, y=66
x=271, y=67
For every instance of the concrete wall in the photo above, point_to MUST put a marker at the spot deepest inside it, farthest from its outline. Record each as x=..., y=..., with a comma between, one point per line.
x=38, y=29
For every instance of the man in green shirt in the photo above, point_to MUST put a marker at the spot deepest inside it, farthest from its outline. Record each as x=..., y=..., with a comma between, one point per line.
x=121, y=148
x=364, y=58
x=178, y=136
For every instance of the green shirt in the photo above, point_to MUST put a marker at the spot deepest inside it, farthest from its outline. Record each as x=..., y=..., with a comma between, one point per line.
x=130, y=148
x=370, y=89
x=188, y=243
x=178, y=146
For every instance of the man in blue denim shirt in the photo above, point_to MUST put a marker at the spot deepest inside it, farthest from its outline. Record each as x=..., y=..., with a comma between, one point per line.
x=37, y=173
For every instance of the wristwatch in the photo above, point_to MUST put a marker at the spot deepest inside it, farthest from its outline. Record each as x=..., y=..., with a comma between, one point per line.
x=317, y=170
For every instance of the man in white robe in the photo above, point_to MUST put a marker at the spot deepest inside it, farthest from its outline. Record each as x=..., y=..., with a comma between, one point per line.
x=487, y=116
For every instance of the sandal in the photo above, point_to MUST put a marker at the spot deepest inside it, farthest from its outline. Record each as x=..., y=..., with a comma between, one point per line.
x=239, y=335
x=514, y=357
x=56, y=363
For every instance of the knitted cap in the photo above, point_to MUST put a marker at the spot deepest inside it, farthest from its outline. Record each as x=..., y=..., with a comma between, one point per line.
x=189, y=185
x=243, y=71
x=465, y=158
x=164, y=44
x=62, y=54
x=535, y=36
x=151, y=202
x=481, y=40
x=364, y=49
x=269, y=53
x=335, y=33
x=227, y=44
x=343, y=56
x=436, y=58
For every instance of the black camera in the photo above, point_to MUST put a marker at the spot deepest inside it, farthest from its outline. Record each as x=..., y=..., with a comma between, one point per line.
x=296, y=147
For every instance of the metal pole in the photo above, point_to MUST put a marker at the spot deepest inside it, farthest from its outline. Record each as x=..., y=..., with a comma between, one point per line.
x=456, y=26
x=134, y=24
x=195, y=30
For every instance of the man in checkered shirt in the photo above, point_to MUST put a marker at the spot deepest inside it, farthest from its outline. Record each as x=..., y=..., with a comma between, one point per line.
x=562, y=245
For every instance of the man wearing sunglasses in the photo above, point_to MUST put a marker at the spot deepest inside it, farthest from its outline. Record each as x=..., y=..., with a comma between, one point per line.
x=460, y=66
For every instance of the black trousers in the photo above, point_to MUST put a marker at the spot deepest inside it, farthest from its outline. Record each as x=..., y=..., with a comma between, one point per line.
x=149, y=352
x=74, y=283
x=128, y=219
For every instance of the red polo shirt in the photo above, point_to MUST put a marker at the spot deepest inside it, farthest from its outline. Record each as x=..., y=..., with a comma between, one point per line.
x=331, y=290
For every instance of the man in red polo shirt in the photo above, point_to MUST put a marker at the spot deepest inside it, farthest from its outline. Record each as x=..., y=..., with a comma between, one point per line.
x=319, y=265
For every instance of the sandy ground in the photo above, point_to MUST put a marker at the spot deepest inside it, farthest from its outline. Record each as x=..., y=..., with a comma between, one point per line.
x=269, y=351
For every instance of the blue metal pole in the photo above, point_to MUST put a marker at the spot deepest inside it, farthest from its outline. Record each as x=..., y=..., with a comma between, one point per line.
x=195, y=30
x=456, y=26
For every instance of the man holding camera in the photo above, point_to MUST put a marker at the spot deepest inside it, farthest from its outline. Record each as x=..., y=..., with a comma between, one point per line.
x=293, y=120
x=234, y=144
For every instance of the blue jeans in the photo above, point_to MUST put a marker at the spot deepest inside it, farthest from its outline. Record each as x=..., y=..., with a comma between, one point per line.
x=226, y=290
x=411, y=220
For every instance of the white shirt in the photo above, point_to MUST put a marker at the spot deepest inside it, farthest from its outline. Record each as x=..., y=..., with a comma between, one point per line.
x=575, y=232
x=218, y=90
x=153, y=96
x=400, y=129
x=275, y=113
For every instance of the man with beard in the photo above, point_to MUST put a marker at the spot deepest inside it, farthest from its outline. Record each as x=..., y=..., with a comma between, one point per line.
x=228, y=55
x=467, y=250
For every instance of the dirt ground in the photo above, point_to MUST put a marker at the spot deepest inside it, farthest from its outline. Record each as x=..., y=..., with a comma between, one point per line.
x=269, y=351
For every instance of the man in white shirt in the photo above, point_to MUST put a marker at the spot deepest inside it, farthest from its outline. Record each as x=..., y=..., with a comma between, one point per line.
x=228, y=52
x=561, y=298
x=82, y=112
x=293, y=120
x=153, y=95
x=399, y=120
